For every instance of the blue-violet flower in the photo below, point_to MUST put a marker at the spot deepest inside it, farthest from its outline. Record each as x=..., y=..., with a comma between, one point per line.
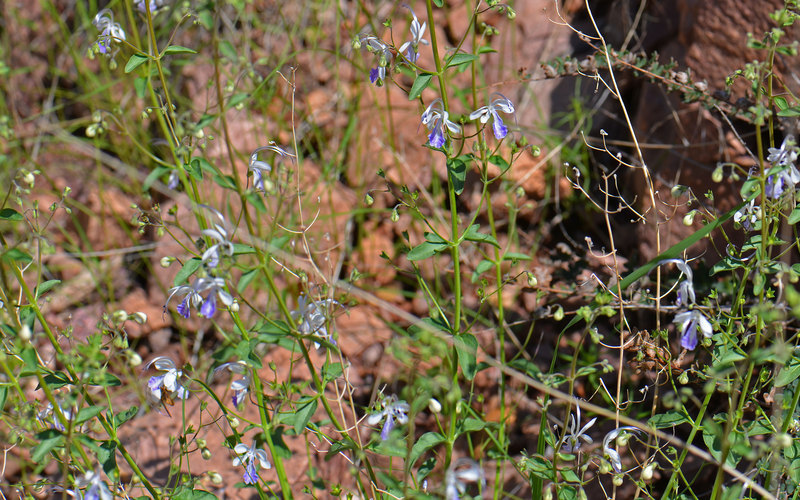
x=252, y=458
x=259, y=167
x=574, y=436
x=462, y=471
x=167, y=384
x=501, y=103
x=392, y=410
x=109, y=31
x=239, y=386
x=410, y=49
x=690, y=321
x=437, y=119
x=611, y=453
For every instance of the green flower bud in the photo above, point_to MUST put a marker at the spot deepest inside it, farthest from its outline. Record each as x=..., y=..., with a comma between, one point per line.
x=532, y=281
x=717, y=175
x=617, y=480
x=683, y=378
x=688, y=219
x=368, y=200
x=647, y=472
x=559, y=314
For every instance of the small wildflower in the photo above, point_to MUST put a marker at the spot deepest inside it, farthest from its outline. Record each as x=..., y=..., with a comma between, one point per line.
x=392, y=410
x=240, y=386
x=215, y=286
x=686, y=293
x=748, y=216
x=220, y=234
x=461, y=472
x=252, y=458
x=109, y=31
x=377, y=75
x=437, y=119
x=611, y=453
x=192, y=298
x=312, y=317
x=501, y=103
x=259, y=167
x=410, y=49
x=690, y=321
x=173, y=181
x=154, y=5
x=789, y=176
x=44, y=415
x=573, y=437
x=96, y=488
x=168, y=385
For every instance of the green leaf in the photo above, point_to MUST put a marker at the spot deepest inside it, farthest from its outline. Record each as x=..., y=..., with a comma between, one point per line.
x=467, y=347
x=227, y=50
x=473, y=234
x=459, y=59
x=242, y=249
x=790, y=112
x=246, y=279
x=56, y=380
x=44, y=287
x=794, y=217
x=10, y=214
x=303, y=414
x=486, y=49
x=788, y=373
x=135, y=61
x=187, y=493
x=107, y=380
x=48, y=440
x=16, y=255
x=666, y=420
x=88, y=413
x=780, y=103
x=471, y=425
x=225, y=181
x=481, y=268
x=438, y=3
x=107, y=457
x=178, y=49
x=420, y=84
x=187, y=270
x=123, y=416
x=425, y=250
x=140, y=86
x=423, y=444
x=3, y=397
x=457, y=173
x=237, y=99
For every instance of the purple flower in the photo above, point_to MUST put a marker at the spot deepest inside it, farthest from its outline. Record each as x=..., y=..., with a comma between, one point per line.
x=462, y=471
x=192, y=298
x=392, y=410
x=173, y=180
x=252, y=458
x=574, y=437
x=690, y=321
x=259, y=167
x=215, y=286
x=239, y=386
x=611, y=453
x=373, y=44
x=437, y=119
x=410, y=49
x=788, y=176
x=97, y=488
x=109, y=31
x=220, y=234
x=749, y=215
x=312, y=317
x=169, y=382
x=501, y=103
x=686, y=295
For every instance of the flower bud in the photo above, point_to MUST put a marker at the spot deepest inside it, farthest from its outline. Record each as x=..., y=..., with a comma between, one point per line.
x=134, y=359
x=356, y=43
x=434, y=406
x=167, y=261
x=717, y=175
x=647, y=472
x=235, y=306
x=368, y=200
x=511, y=13
x=532, y=281
x=202, y=443
x=683, y=378
x=25, y=333
x=233, y=421
x=120, y=342
x=688, y=219
x=119, y=316
x=395, y=215
x=215, y=477
x=139, y=317
x=559, y=314
x=206, y=454
x=623, y=438
x=617, y=480
x=605, y=467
